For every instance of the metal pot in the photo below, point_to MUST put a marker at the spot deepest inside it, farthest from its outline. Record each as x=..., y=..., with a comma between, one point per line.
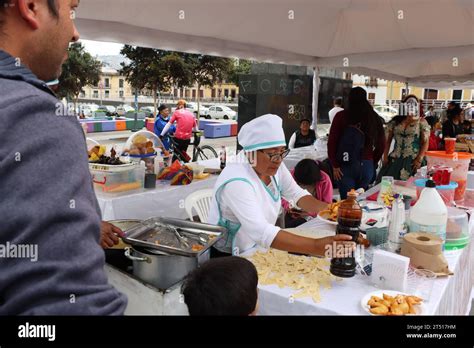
x=160, y=269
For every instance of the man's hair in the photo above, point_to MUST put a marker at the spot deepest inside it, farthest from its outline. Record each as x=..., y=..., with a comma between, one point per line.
x=338, y=101
x=454, y=112
x=222, y=286
x=305, y=120
x=52, y=6
x=307, y=172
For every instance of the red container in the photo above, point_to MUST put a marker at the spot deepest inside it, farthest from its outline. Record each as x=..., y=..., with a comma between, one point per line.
x=441, y=175
x=233, y=130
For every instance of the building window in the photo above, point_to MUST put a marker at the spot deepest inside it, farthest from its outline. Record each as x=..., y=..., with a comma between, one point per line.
x=226, y=92
x=201, y=93
x=121, y=94
x=95, y=94
x=121, y=83
x=175, y=92
x=233, y=93
x=107, y=83
x=213, y=93
x=82, y=94
x=457, y=94
x=107, y=94
x=430, y=94
x=194, y=94
x=186, y=93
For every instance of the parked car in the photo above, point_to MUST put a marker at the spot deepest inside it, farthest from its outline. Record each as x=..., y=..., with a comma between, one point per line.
x=386, y=112
x=109, y=110
x=123, y=109
x=221, y=111
x=191, y=106
x=148, y=111
x=87, y=109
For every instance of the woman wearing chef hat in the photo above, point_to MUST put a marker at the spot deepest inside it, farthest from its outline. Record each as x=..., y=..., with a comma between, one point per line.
x=248, y=192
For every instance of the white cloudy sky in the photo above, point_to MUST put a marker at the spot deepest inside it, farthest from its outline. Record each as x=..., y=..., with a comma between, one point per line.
x=101, y=48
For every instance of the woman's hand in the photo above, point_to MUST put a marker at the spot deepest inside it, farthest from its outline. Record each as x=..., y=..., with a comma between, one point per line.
x=337, y=172
x=340, y=245
x=416, y=164
x=385, y=161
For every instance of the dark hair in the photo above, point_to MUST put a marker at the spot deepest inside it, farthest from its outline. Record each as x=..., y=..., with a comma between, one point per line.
x=453, y=103
x=360, y=112
x=222, y=286
x=162, y=107
x=454, y=112
x=338, y=101
x=52, y=6
x=307, y=172
x=467, y=123
x=305, y=120
x=432, y=120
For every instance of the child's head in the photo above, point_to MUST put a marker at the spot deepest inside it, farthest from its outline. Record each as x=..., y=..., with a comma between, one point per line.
x=222, y=286
x=307, y=173
x=432, y=120
x=467, y=124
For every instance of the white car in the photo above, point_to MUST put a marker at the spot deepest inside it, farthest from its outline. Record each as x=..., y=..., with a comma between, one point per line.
x=191, y=106
x=221, y=111
x=87, y=109
x=123, y=109
x=386, y=112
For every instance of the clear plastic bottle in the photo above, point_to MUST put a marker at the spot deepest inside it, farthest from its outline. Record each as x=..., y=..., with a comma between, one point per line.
x=429, y=214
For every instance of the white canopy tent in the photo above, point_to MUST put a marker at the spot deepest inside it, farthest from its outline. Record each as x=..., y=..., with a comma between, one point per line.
x=420, y=42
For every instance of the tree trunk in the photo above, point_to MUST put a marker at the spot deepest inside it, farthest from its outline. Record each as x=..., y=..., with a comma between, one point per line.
x=154, y=99
x=198, y=99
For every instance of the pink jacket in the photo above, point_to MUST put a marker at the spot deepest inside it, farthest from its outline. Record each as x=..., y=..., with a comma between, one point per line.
x=185, y=122
x=323, y=191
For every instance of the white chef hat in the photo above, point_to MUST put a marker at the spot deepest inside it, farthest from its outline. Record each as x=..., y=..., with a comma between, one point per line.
x=262, y=133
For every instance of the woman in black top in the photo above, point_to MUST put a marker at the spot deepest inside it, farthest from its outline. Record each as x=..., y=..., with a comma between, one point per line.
x=453, y=126
x=303, y=137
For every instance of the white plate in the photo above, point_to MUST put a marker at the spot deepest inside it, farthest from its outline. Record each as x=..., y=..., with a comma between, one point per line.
x=322, y=218
x=379, y=293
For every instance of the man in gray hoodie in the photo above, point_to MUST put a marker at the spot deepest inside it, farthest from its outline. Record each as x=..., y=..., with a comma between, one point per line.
x=50, y=259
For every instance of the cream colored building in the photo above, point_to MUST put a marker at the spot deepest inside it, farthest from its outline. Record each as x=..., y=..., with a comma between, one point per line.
x=379, y=91
x=114, y=87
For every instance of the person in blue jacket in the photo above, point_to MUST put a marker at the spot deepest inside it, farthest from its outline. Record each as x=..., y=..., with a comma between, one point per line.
x=161, y=120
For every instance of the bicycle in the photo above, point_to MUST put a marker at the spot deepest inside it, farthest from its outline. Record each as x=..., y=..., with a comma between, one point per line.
x=200, y=153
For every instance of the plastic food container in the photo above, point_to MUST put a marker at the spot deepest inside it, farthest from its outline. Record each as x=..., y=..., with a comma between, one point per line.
x=142, y=144
x=457, y=229
x=459, y=161
x=126, y=179
x=447, y=192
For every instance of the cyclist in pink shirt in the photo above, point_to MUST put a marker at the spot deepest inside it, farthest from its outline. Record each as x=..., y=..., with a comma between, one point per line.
x=185, y=123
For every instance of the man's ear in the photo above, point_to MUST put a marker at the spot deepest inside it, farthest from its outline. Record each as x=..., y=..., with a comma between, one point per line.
x=29, y=10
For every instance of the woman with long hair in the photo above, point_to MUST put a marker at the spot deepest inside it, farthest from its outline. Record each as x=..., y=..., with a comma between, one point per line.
x=411, y=133
x=356, y=143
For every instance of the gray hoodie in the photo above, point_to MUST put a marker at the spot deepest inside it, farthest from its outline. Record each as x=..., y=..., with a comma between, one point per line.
x=47, y=202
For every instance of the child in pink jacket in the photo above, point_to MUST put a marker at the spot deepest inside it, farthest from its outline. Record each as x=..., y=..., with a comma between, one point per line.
x=309, y=176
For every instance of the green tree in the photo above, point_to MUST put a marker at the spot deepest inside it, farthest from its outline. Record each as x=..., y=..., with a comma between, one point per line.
x=207, y=71
x=79, y=70
x=154, y=69
x=240, y=66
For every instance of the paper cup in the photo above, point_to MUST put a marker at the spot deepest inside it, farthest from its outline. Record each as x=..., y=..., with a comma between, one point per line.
x=449, y=145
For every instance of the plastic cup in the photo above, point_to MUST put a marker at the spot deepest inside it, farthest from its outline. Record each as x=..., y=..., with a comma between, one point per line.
x=450, y=145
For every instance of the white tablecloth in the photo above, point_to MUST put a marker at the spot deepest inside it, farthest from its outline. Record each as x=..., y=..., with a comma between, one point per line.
x=300, y=153
x=450, y=295
x=164, y=200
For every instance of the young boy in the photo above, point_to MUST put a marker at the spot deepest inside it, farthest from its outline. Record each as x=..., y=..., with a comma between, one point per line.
x=222, y=286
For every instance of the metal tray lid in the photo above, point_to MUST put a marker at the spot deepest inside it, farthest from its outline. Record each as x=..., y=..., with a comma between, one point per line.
x=158, y=233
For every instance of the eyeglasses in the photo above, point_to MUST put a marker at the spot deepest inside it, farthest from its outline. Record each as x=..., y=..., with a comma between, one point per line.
x=276, y=157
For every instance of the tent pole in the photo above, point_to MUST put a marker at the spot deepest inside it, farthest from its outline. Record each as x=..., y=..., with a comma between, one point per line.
x=406, y=88
x=314, y=113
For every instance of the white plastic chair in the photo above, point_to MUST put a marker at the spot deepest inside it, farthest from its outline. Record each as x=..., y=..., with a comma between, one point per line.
x=201, y=202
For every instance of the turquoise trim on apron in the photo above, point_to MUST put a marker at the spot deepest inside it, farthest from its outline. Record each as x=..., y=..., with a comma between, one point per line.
x=277, y=187
x=231, y=226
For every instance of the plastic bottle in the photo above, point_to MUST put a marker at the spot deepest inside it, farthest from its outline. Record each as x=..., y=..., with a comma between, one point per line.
x=397, y=228
x=429, y=214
